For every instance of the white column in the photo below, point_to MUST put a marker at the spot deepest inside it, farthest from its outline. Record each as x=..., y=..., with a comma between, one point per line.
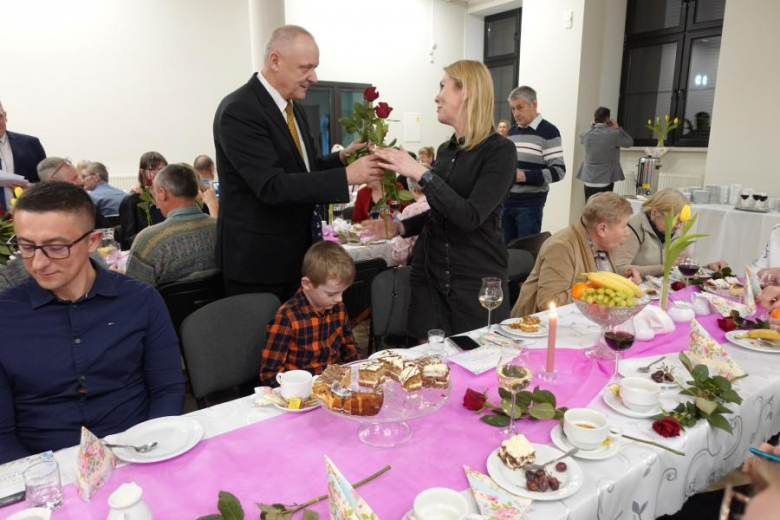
x=264, y=17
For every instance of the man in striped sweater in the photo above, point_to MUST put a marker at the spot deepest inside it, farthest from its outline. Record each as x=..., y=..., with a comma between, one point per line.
x=539, y=163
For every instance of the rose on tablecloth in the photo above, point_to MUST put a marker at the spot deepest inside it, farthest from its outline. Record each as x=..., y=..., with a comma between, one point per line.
x=667, y=427
x=727, y=324
x=474, y=400
x=678, y=286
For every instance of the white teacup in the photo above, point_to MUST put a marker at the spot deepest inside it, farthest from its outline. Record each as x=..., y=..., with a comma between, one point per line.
x=681, y=312
x=295, y=383
x=442, y=504
x=33, y=513
x=586, y=429
x=640, y=394
x=126, y=503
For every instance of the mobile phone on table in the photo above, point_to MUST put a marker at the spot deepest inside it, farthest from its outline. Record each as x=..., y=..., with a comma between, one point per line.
x=756, y=451
x=464, y=342
x=216, y=187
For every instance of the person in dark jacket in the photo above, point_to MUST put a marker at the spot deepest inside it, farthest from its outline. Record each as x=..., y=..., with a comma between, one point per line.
x=131, y=217
x=602, y=141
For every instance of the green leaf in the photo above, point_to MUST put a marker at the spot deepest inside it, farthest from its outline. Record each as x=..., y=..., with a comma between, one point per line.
x=543, y=396
x=700, y=373
x=686, y=362
x=506, y=406
x=495, y=420
x=542, y=411
x=308, y=514
x=392, y=143
x=504, y=393
x=718, y=421
x=229, y=506
x=721, y=382
x=210, y=517
x=722, y=409
x=524, y=398
x=731, y=396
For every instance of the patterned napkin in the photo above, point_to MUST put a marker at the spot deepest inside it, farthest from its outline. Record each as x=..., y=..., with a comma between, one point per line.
x=703, y=350
x=752, y=281
x=494, y=502
x=724, y=306
x=750, y=299
x=94, y=466
x=345, y=503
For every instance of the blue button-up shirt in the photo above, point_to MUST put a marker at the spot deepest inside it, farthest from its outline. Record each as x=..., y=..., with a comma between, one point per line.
x=107, y=198
x=108, y=361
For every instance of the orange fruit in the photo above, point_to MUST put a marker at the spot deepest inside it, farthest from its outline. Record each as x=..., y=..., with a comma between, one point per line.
x=578, y=289
x=776, y=313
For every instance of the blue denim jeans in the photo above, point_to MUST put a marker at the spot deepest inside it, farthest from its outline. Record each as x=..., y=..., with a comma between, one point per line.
x=521, y=222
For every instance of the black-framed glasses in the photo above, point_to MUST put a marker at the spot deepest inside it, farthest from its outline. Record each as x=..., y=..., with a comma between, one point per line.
x=59, y=167
x=53, y=251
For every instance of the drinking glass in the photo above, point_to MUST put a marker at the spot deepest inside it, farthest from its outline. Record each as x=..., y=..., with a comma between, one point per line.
x=762, y=198
x=745, y=195
x=619, y=338
x=42, y=485
x=491, y=295
x=688, y=268
x=435, y=343
x=514, y=375
x=109, y=247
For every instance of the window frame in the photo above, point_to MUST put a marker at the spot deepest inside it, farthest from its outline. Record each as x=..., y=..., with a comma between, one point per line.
x=504, y=59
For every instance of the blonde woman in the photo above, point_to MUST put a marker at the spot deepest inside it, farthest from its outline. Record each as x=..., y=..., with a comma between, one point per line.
x=459, y=237
x=426, y=155
x=643, y=250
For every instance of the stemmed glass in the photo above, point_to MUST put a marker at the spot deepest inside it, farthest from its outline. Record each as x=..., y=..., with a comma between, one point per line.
x=688, y=268
x=491, y=295
x=619, y=338
x=514, y=375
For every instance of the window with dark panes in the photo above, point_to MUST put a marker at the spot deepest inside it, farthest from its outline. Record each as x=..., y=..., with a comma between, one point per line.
x=502, y=58
x=670, y=66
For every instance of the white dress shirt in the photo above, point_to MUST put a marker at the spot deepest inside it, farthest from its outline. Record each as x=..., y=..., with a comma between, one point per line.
x=282, y=104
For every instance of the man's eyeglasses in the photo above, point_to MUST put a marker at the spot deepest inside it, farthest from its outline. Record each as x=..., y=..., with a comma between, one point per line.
x=53, y=251
x=59, y=167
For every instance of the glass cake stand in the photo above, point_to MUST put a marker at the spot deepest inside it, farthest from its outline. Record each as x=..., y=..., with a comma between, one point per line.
x=390, y=427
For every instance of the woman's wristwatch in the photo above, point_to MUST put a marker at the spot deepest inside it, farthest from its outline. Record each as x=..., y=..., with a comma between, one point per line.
x=425, y=179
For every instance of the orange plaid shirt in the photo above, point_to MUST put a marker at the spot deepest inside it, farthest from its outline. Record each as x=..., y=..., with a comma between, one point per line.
x=300, y=337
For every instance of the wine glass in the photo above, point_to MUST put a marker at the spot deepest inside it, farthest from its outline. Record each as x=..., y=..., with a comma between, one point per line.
x=762, y=198
x=688, y=268
x=745, y=195
x=514, y=375
x=619, y=338
x=491, y=295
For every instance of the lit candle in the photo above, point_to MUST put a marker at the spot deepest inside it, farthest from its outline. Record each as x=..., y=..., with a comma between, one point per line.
x=552, y=328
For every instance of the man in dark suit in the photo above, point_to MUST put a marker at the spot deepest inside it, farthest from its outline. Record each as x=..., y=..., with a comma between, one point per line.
x=271, y=181
x=19, y=154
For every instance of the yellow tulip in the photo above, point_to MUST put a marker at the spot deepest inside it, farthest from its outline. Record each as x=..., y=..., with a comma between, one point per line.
x=13, y=202
x=685, y=214
x=667, y=118
x=650, y=122
x=18, y=191
x=676, y=120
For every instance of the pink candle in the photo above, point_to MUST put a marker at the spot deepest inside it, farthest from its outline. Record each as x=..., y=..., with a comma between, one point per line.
x=552, y=327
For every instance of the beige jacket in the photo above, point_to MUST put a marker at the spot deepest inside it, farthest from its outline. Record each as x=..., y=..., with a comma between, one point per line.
x=642, y=250
x=563, y=257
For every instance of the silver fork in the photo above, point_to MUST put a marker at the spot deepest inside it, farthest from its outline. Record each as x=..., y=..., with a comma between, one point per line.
x=646, y=369
x=139, y=449
x=534, y=467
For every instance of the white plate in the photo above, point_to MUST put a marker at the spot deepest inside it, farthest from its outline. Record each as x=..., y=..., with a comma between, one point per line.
x=514, y=480
x=403, y=352
x=750, y=344
x=647, y=285
x=173, y=435
x=604, y=452
x=517, y=332
x=301, y=410
x=377, y=242
x=628, y=368
x=616, y=403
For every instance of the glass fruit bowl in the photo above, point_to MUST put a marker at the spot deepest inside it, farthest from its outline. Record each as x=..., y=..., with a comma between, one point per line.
x=605, y=316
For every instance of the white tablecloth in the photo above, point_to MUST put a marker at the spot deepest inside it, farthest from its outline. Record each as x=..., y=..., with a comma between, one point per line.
x=734, y=236
x=380, y=249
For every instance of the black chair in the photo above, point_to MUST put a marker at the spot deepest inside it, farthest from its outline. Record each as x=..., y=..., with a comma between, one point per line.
x=357, y=297
x=185, y=297
x=222, y=343
x=531, y=243
x=521, y=263
x=390, y=296
x=113, y=220
x=347, y=213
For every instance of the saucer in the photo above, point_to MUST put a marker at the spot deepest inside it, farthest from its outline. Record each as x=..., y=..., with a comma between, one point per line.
x=277, y=391
x=604, y=452
x=616, y=404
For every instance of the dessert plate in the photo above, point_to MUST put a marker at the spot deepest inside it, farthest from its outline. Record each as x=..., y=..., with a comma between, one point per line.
x=506, y=327
x=514, y=480
x=616, y=404
x=750, y=344
x=604, y=452
x=277, y=391
x=174, y=436
x=629, y=368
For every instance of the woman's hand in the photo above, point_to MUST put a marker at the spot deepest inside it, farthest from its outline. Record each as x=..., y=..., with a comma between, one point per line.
x=353, y=147
x=717, y=266
x=633, y=275
x=399, y=160
x=749, y=465
x=209, y=198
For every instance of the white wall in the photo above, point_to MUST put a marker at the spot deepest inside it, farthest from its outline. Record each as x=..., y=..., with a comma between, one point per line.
x=110, y=80
x=745, y=129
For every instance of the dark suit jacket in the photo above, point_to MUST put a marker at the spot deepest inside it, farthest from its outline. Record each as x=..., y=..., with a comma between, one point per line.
x=28, y=152
x=266, y=195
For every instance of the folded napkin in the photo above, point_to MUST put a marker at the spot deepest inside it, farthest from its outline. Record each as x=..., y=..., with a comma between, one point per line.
x=494, y=502
x=345, y=503
x=750, y=299
x=651, y=321
x=703, y=350
x=491, y=338
x=94, y=466
x=724, y=306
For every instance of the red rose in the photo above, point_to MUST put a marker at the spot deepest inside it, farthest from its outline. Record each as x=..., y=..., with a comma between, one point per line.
x=370, y=94
x=667, y=427
x=727, y=324
x=678, y=286
x=147, y=182
x=383, y=110
x=474, y=400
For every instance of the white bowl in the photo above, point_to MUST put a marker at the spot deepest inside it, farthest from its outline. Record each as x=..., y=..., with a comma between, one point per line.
x=33, y=513
x=640, y=394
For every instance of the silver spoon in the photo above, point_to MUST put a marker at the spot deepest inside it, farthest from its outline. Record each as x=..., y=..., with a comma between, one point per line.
x=139, y=449
x=646, y=369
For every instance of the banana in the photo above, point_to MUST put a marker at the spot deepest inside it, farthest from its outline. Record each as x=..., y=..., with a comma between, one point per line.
x=767, y=334
x=615, y=282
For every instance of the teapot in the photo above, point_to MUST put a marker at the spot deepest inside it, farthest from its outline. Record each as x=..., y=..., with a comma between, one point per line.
x=126, y=503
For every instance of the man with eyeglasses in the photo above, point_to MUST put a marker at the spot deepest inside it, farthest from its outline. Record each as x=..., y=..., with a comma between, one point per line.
x=107, y=198
x=61, y=169
x=19, y=154
x=81, y=345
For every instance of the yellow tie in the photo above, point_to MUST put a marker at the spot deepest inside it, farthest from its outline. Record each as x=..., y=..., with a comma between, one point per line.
x=291, y=125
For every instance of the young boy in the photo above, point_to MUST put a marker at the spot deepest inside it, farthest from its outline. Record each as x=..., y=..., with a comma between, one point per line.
x=311, y=330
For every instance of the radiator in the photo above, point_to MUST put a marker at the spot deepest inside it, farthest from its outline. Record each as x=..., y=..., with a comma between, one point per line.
x=665, y=180
x=123, y=182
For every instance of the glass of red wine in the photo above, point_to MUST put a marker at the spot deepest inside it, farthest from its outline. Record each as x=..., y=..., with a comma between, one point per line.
x=619, y=338
x=688, y=268
x=745, y=195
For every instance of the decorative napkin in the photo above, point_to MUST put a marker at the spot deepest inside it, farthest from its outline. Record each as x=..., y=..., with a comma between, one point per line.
x=651, y=321
x=345, y=503
x=703, y=350
x=724, y=306
x=494, y=502
x=478, y=360
x=94, y=466
x=750, y=299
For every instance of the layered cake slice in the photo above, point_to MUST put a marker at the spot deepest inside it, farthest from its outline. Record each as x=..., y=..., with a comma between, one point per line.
x=435, y=374
x=371, y=374
x=393, y=363
x=410, y=377
x=517, y=452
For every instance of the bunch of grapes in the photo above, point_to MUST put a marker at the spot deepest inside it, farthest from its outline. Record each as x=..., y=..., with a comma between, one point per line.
x=610, y=297
x=541, y=481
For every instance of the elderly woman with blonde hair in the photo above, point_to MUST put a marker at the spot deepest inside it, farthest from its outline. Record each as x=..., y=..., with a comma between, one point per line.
x=583, y=247
x=643, y=250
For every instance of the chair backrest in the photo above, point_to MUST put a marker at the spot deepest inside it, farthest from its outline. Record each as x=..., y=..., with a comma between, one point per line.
x=521, y=263
x=390, y=295
x=222, y=341
x=358, y=297
x=531, y=243
x=185, y=297
x=347, y=213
